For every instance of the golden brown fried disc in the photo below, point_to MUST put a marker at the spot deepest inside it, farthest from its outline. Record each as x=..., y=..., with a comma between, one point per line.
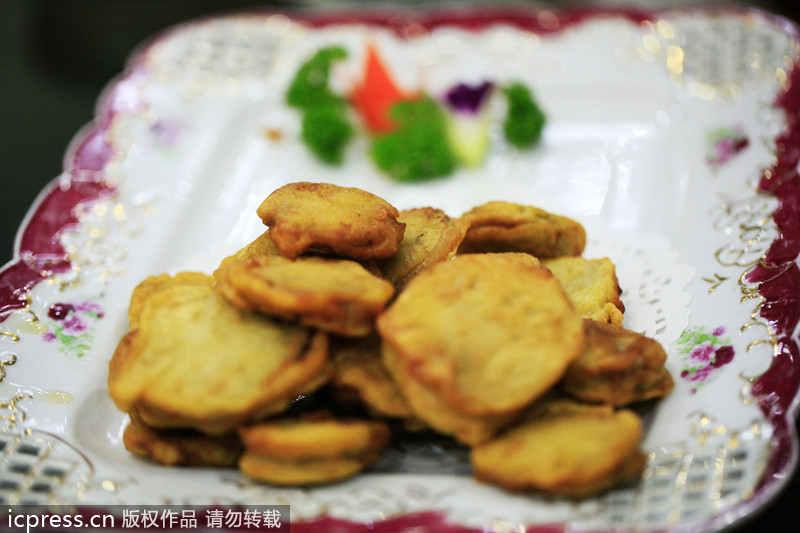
x=433, y=411
x=181, y=447
x=315, y=437
x=153, y=284
x=321, y=217
x=564, y=448
x=359, y=371
x=335, y=295
x=488, y=332
x=617, y=367
x=197, y=361
x=260, y=247
x=591, y=285
x=508, y=227
x=430, y=237
x=296, y=380
x=306, y=472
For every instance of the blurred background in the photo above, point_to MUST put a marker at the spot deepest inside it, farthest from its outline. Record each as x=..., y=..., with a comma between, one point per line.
x=56, y=56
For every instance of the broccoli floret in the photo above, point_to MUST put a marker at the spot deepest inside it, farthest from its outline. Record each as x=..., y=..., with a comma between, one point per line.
x=325, y=128
x=326, y=132
x=524, y=122
x=309, y=88
x=418, y=149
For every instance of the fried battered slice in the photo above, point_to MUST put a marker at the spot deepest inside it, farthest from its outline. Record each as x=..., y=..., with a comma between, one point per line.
x=260, y=247
x=509, y=227
x=430, y=237
x=296, y=380
x=181, y=447
x=359, y=371
x=153, y=284
x=434, y=412
x=311, y=450
x=488, y=332
x=315, y=437
x=617, y=367
x=321, y=217
x=335, y=295
x=305, y=472
x=591, y=285
x=564, y=448
x=197, y=361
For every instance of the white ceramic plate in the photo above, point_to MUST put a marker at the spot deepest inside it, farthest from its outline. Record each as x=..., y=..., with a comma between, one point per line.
x=665, y=138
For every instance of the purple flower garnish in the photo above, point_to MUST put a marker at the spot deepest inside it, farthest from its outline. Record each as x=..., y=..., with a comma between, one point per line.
x=466, y=98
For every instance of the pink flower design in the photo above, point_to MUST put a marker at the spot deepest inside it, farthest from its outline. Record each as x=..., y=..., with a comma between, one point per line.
x=700, y=374
x=88, y=306
x=702, y=352
x=722, y=144
x=72, y=326
x=75, y=325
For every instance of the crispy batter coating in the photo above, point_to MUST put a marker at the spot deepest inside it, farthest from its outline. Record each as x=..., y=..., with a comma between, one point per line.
x=311, y=450
x=359, y=371
x=181, y=447
x=197, y=361
x=430, y=237
x=321, y=217
x=617, y=367
x=564, y=448
x=591, y=285
x=433, y=411
x=307, y=472
x=153, y=284
x=315, y=437
x=305, y=376
x=335, y=295
x=496, y=320
x=260, y=247
x=509, y=227
x=488, y=332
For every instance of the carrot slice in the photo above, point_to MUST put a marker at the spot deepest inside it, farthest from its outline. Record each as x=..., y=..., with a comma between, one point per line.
x=377, y=93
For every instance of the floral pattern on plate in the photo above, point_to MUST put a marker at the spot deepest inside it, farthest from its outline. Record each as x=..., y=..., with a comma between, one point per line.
x=704, y=353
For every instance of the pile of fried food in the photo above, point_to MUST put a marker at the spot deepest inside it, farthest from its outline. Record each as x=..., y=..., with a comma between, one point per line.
x=490, y=328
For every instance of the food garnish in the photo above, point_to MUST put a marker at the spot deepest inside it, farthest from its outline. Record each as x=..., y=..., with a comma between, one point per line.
x=418, y=149
x=377, y=94
x=413, y=135
x=326, y=129
x=525, y=120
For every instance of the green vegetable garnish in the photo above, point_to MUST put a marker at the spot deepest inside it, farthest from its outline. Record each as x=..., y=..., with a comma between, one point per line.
x=309, y=87
x=326, y=132
x=418, y=149
x=325, y=127
x=525, y=120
